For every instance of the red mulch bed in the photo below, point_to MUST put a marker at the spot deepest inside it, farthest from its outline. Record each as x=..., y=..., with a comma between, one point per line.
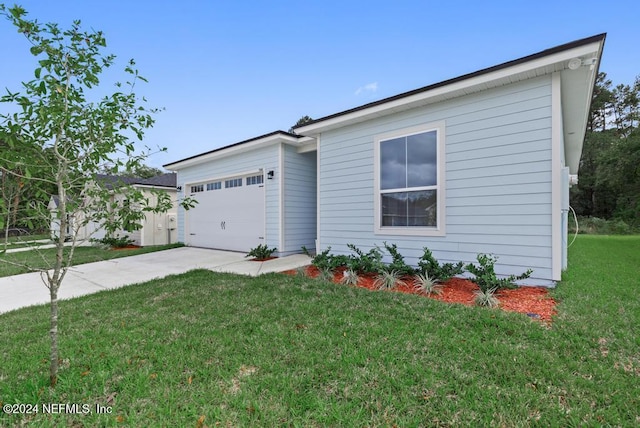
x=534, y=302
x=126, y=247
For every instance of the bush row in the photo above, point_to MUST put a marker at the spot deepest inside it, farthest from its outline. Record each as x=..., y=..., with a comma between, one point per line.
x=600, y=226
x=426, y=276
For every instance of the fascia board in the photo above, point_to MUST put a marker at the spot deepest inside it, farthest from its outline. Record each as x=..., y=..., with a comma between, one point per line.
x=231, y=150
x=509, y=74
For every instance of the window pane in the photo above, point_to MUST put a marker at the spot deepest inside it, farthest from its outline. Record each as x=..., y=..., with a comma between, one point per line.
x=421, y=160
x=393, y=158
x=394, y=209
x=422, y=208
x=409, y=209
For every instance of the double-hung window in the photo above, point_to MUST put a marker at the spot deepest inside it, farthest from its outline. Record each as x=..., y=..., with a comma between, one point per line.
x=410, y=181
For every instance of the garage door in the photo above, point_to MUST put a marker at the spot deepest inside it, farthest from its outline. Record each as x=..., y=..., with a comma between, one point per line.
x=230, y=214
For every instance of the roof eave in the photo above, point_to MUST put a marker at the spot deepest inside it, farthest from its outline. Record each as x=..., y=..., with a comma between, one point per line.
x=546, y=62
x=236, y=148
x=577, y=86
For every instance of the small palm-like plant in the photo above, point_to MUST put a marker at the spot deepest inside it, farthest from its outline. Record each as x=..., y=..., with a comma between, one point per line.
x=350, y=277
x=486, y=298
x=326, y=274
x=387, y=279
x=301, y=271
x=425, y=284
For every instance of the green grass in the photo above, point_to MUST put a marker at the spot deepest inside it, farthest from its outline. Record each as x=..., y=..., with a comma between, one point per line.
x=28, y=261
x=21, y=241
x=291, y=351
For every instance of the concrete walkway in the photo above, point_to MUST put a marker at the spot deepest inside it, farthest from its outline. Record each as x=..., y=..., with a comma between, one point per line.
x=43, y=244
x=19, y=291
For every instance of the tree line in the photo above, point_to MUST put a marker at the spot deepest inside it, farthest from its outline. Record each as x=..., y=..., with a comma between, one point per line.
x=609, y=175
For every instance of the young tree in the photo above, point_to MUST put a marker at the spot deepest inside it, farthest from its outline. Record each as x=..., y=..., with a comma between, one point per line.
x=65, y=134
x=303, y=120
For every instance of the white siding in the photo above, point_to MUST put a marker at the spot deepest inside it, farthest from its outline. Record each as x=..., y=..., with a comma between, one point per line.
x=155, y=229
x=266, y=158
x=498, y=180
x=299, y=200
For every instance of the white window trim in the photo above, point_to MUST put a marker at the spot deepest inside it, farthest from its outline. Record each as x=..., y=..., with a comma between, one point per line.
x=222, y=178
x=439, y=230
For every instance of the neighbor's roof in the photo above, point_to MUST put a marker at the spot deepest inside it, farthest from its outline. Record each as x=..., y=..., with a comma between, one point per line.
x=163, y=180
x=113, y=181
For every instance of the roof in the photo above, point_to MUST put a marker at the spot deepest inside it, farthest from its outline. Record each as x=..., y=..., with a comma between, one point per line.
x=163, y=180
x=577, y=88
x=168, y=180
x=545, y=53
x=272, y=137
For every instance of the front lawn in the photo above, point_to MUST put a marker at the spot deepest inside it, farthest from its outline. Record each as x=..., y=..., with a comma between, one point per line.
x=28, y=261
x=209, y=349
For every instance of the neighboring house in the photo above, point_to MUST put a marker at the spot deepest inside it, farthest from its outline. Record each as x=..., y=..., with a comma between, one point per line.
x=156, y=229
x=477, y=164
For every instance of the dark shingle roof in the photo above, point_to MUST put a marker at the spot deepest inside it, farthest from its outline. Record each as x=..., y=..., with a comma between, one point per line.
x=164, y=180
x=547, y=52
x=271, y=134
x=168, y=180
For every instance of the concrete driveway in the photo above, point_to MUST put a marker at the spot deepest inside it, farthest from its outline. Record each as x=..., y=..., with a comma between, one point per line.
x=19, y=291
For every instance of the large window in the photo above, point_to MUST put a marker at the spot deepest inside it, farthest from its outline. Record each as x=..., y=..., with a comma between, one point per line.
x=409, y=174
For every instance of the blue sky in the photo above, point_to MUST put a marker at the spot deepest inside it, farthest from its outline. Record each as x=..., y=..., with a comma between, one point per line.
x=227, y=71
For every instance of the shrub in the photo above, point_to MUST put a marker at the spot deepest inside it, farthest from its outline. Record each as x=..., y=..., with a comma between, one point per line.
x=115, y=241
x=619, y=227
x=365, y=262
x=325, y=260
x=485, y=277
x=599, y=226
x=397, y=261
x=440, y=273
x=261, y=252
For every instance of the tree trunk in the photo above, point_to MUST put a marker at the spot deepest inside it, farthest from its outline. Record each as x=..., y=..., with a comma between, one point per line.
x=16, y=204
x=53, y=369
x=54, y=280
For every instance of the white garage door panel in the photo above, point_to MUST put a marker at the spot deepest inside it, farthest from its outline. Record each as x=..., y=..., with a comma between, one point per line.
x=228, y=219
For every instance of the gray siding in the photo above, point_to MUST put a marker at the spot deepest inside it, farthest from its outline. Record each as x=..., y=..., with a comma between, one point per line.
x=264, y=157
x=300, y=200
x=498, y=180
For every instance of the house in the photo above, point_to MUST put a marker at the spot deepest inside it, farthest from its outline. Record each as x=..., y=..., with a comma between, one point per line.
x=156, y=229
x=481, y=163
x=260, y=191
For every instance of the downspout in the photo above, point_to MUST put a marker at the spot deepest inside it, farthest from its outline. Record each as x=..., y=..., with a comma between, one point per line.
x=557, y=147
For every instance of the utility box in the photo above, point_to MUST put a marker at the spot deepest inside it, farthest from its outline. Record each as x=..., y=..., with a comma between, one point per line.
x=172, y=221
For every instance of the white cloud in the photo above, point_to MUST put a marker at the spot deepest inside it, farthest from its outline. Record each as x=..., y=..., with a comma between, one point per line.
x=369, y=87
